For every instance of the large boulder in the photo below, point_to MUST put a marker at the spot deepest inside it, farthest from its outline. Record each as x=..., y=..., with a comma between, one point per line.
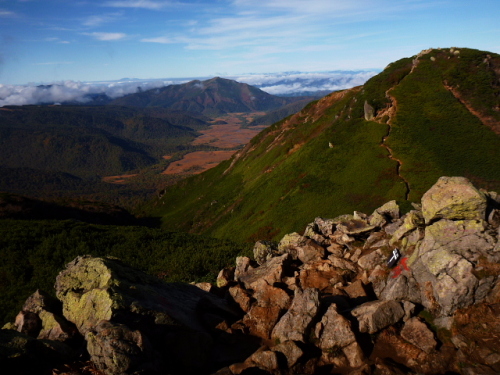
x=453, y=198
x=444, y=264
x=119, y=307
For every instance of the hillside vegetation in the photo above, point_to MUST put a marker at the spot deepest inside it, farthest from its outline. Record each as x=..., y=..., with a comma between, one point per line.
x=429, y=115
x=34, y=252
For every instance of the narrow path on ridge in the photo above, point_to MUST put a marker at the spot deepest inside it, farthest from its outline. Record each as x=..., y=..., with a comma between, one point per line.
x=390, y=112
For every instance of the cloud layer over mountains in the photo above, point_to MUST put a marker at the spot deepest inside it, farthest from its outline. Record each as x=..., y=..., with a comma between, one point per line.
x=289, y=83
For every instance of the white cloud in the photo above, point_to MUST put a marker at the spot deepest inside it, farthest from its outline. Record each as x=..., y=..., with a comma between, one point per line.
x=273, y=83
x=98, y=20
x=55, y=63
x=145, y=4
x=161, y=39
x=106, y=36
x=300, y=82
x=6, y=13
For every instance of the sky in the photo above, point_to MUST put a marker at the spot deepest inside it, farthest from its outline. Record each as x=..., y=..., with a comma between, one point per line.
x=46, y=41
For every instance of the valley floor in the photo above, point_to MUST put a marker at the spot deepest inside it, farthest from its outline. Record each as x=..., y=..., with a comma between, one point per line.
x=230, y=135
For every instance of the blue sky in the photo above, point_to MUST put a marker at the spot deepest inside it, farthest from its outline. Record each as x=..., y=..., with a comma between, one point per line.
x=56, y=40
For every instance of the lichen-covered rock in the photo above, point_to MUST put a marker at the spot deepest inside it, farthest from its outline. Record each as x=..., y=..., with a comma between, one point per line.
x=116, y=349
x=376, y=315
x=225, y=277
x=369, y=111
x=385, y=214
x=263, y=251
x=453, y=198
x=297, y=321
x=445, y=260
x=412, y=220
x=48, y=310
x=95, y=289
x=289, y=242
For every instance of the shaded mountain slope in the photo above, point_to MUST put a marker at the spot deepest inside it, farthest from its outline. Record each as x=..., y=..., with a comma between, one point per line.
x=212, y=97
x=417, y=131
x=90, y=141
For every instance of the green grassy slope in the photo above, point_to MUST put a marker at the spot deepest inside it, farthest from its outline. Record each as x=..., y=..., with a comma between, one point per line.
x=288, y=174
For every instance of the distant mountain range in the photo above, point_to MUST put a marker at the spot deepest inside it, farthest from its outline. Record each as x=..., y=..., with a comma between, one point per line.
x=212, y=97
x=425, y=116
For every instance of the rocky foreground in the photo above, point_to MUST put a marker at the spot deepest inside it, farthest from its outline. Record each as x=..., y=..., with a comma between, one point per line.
x=358, y=294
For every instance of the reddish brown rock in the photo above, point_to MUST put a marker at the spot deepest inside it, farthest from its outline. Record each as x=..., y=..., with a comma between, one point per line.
x=356, y=290
x=265, y=359
x=417, y=333
x=291, y=352
x=241, y=297
x=320, y=275
x=310, y=251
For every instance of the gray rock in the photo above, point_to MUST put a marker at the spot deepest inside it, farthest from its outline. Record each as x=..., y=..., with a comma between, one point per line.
x=385, y=214
x=411, y=221
x=312, y=231
x=444, y=260
x=334, y=331
x=401, y=288
x=354, y=227
x=263, y=251
x=376, y=315
x=417, y=333
x=325, y=226
x=265, y=359
x=289, y=244
x=272, y=271
x=243, y=265
x=297, y=321
x=369, y=111
x=310, y=251
x=453, y=198
x=372, y=260
x=115, y=349
x=290, y=350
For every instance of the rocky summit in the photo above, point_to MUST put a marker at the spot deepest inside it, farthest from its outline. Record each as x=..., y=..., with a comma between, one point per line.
x=383, y=293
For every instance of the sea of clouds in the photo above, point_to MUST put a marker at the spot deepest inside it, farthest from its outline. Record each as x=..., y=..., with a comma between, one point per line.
x=289, y=83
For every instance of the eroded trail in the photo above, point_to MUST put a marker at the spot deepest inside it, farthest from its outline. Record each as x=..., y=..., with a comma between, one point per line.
x=390, y=112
